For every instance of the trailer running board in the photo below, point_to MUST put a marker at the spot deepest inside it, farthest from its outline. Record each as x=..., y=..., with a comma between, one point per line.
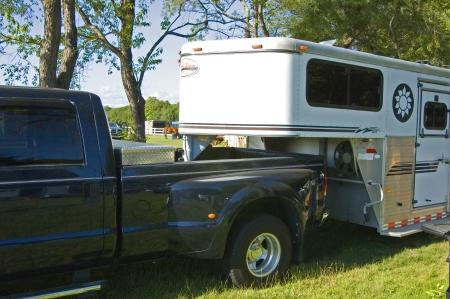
x=70, y=290
x=411, y=229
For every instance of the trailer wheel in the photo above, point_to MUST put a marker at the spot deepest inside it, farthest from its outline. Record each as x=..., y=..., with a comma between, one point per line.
x=259, y=250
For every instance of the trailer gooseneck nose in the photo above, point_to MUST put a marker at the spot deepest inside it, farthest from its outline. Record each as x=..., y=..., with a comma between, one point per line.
x=441, y=230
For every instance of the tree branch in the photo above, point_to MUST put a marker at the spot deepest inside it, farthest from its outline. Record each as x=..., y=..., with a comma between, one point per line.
x=100, y=35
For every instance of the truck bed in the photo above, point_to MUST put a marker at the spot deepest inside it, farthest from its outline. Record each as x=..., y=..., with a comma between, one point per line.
x=146, y=188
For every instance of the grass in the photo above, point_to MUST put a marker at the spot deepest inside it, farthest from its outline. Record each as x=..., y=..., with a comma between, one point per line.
x=158, y=139
x=341, y=261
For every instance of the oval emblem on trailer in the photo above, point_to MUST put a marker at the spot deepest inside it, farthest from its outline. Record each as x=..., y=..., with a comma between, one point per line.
x=403, y=102
x=188, y=67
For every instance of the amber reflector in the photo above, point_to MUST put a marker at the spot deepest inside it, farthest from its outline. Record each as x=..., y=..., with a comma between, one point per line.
x=257, y=46
x=197, y=49
x=303, y=48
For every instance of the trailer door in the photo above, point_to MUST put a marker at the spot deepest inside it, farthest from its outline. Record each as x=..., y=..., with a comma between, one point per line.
x=433, y=148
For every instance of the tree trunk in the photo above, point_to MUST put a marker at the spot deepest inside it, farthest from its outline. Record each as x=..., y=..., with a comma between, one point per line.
x=129, y=81
x=134, y=96
x=70, y=52
x=246, y=9
x=262, y=21
x=48, y=56
x=255, y=18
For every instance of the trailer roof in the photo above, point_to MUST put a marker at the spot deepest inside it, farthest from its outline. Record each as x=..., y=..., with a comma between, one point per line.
x=290, y=45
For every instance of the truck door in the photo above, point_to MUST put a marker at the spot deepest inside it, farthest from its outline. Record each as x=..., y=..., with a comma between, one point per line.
x=431, y=185
x=51, y=203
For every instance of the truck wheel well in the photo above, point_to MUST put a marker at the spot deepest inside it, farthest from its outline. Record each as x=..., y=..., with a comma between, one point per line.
x=285, y=211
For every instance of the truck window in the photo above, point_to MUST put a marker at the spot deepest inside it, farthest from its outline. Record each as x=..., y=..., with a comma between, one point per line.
x=39, y=136
x=338, y=85
x=435, y=116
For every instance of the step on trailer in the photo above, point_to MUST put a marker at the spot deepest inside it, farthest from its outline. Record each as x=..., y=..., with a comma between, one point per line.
x=381, y=124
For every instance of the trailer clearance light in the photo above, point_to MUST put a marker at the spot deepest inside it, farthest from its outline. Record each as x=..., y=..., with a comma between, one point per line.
x=371, y=150
x=259, y=46
x=212, y=216
x=197, y=49
x=303, y=48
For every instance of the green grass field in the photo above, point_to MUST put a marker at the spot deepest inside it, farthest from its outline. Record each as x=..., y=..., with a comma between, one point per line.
x=159, y=139
x=342, y=261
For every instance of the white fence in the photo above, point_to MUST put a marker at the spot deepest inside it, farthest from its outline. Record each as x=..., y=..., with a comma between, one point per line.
x=154, y=131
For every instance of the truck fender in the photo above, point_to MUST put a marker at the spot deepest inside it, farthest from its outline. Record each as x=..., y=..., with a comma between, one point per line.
x=280, y=200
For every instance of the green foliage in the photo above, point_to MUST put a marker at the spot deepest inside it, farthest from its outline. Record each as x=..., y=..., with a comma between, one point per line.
x=161, y=110
x=16, y=21
x=410, y=30
x=120, y=116
x=154, y=110
x=122, y=29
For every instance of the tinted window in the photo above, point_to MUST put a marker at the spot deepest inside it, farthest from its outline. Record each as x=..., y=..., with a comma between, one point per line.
x=39, y=135
x=435, y=116
x=338, y=85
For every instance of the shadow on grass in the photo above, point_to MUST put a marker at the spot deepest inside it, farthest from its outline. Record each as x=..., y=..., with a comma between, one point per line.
x=347, y=246
x=336, y=245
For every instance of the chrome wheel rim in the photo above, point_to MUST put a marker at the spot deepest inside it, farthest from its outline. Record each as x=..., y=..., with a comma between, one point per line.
x=263, y=255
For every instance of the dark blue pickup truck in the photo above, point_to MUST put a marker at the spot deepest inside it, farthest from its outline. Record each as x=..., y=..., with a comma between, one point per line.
x=71, y=199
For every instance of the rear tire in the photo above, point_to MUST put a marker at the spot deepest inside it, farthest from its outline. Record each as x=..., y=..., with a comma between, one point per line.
x=259, y=250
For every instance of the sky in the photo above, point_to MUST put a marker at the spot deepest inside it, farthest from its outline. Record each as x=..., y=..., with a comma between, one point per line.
x=161, y=82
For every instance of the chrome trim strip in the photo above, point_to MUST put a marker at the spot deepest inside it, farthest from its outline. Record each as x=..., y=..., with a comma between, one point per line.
x=53, y=181
x=125, y=178
x=70, y=290
x=259, y=127
x=345, y=180
x=432, y=81
x=243, y=52
x=265, y=125
x=436, y=90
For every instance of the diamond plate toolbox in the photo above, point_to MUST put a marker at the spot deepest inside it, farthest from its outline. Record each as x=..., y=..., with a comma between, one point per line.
x=137, y=153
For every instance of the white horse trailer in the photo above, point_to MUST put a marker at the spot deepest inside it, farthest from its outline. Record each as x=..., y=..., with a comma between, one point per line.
x=381, y=123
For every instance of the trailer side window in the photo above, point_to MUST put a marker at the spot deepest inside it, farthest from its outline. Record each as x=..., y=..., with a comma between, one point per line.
x=39, y=136
x=338, y=85
x=435, y=116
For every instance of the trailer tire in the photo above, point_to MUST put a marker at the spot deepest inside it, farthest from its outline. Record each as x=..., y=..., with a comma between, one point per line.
x=259, y=250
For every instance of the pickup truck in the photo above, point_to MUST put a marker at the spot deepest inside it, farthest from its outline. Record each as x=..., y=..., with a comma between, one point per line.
x=71, y=199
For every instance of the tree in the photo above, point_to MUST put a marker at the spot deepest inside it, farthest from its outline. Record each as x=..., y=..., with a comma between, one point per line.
x=255, y=18
x=156, y=109
x=56, y=67
x=385, y=27
x=50, y=42
x=121, y=116
x=115, y=27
